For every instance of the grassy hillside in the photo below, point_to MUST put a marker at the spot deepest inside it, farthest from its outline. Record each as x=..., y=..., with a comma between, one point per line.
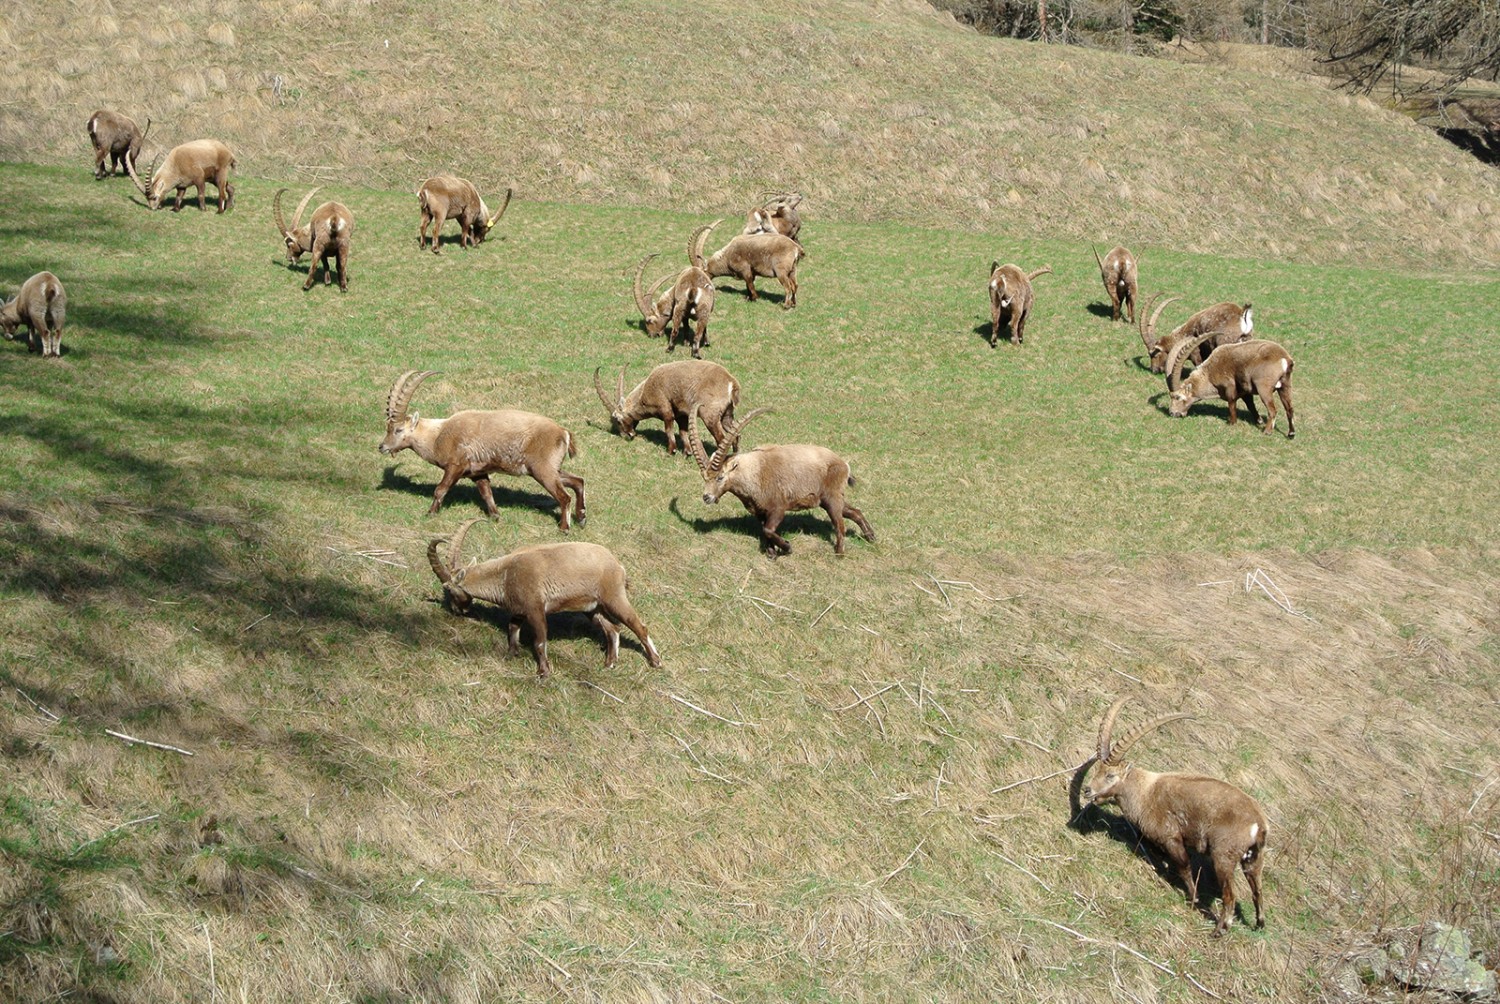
x=878, y=111
x=850, y=781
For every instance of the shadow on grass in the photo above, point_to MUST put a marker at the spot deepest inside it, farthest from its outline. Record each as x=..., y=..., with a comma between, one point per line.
x=985, y=330
x=465, y=494
x=796, y=524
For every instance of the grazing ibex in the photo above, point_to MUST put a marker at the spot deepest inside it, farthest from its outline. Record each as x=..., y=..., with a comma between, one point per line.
x=326, y=236
x=475, y=444
x=691, y=295
x=777, y=215
x=197, y=164
x=672, y=392
x=1120, y=274
x=774, y=480
x=41, y=305
x=1237, y=371
x=116, y=138
x=1010, y=300
x=1181, y=813
x=531, y=582
x=746, y=256
x=444, y=197
x=1224, y=322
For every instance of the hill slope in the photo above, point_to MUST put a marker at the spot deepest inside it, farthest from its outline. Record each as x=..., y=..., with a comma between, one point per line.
x=877, y=111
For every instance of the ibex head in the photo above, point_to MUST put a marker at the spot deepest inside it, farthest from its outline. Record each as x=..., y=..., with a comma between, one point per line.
x=299, y=238
x=617, y=416
x=148, y=187
x=485, y=223
x=655, y=321
x=450, y=575
x=399, y=425
x=716, y=469
x=1184, y=393
x=1112, y=767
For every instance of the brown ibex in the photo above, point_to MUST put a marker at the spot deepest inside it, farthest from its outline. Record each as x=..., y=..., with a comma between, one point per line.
x=476, y=444
x=444, y=197
x=672, y=392
x=1010, y=300
x=1181, y=813
x=197, y=164
x=691, y=295
x=1224, y=322
x=1119, y=271
x=41, y=305
x=1237, y=371
x=116, y=138
x=776, y=215
x=326, y=236
x=531, y=582
x=746, y=256
x=774, y=480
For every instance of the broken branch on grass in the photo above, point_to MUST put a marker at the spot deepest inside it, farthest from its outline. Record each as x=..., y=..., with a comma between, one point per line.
x=148, y=742
x=1041, y=777
x=34, y=704
x=601, y=690
x=1126, y=948
x=1024, y=871
x=820, y=616
x=899, y=868
x=778, y=606
x=134, y=822
x=864, y=700
x=1272, y=591
x=705, y=711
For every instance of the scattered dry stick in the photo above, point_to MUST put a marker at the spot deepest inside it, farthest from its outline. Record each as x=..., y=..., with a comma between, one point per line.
x=134, y=822
x=1126, y=948
x=899, y=868
x=705, y=711
x=864, y=700
x=147, y=742
x=34, y=704
x=1040, y=777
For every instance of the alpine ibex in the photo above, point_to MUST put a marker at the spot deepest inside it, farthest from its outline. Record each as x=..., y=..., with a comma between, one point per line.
x=475, y=444
x=1237, y=371
x=746, y=256
x=116, y=138
x=444, y=197
x=1225, y=322
x=1010, y=300
x=774, y=480
x=197, y=164
x=531, y=582
x=1119, y=271
x=326, y=236
x=691, y=295
x=41, y=305
x=1181, y=813
x=672, y=392
x=776, y=215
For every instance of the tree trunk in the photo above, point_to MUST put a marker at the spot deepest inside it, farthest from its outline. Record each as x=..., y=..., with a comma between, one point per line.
x=1041, y=17
x=1127, y=21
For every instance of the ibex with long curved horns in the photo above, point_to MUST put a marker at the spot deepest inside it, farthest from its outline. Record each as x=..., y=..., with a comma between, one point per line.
x=1224, y=322
x=1235, y=372
x=775, y=480
x=1011, y=298
x=327, y=235
x=444, y=197
x=1182, y=813
x=476, y=444
x=776, y=215
x=690, y=297
x=746, y=256
x=1120, y=272
x=117, y=139
x=531, y=582
x=198, y=164
x=672, y=392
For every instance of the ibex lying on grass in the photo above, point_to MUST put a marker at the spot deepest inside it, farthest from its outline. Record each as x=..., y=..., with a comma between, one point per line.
x=1119, y=272
x=444, y=197
x=774, y=480
x=197, y=164
x=116, y=138
x=475, y=444
x=691, y=296
x=326, y=236
x=1224, y=322
x=532, y=582
x=1237, y=371
x=777, y=215
x=1181, y=813
x=746, y=256
x=1010, y=300
x=672, y=392
x=41, y=305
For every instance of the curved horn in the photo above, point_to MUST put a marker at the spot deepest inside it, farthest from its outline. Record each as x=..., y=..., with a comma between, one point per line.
x=994, y=265
x=276, y=209
x=297, y=216
x=1106, y=726
x=458, y=542
x=620, y=390
x=1179, y=355
x=695, y=444
x=700, y=238
x=496, y=218
x=150, y=173
x=1044, y=270
x=656, y=288
x=401, y=392
x=732, y=430
x=1097, y=258
x=1123, y=744
x=1148, y=332
x=641, y=302
x=599, y=389
x=147, y=131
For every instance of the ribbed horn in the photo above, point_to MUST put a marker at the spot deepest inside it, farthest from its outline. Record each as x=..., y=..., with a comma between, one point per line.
x=1179, y=355
x=700, y=238
x=150, y=175
x=401, y=393
x=496, y=218
x=1148, y=330
x=1122, y=745
x=1100, y=262
x=1044, y=270
x=641, y=303
x=599, y=389
x=620, y=390
x=276, y=209
x=1106, y=726
x=732, y=430
x=695, y=444
x=297, y=216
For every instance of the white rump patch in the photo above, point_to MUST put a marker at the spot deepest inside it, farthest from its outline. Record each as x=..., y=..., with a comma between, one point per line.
x=1254, y=832
x=1246, y=322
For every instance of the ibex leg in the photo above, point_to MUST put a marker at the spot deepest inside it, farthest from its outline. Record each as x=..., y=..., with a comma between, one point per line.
x=1224, y=866
x=343, y=260
x=867, y=531
x=624, y=613
x=772, y=542
x=611, y=639
x=450, y=478
x=538, y=620
x=486, y=494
